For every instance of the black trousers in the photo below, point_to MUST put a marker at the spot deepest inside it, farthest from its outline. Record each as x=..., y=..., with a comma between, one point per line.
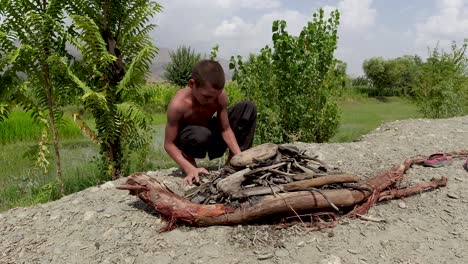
x=197, y=141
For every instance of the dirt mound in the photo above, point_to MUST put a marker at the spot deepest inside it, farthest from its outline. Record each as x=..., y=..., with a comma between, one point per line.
x=105, y=225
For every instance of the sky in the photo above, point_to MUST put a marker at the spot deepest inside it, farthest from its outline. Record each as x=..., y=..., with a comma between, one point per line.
x=368, y=28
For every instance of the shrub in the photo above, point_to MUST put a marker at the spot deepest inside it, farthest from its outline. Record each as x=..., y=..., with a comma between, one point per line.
x=161, y=97
x=234, y=93
x=442, y=85
x=179, y=70
x=295, y=83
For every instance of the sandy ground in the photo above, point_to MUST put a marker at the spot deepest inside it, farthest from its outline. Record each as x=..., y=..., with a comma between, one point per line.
x=105, y=225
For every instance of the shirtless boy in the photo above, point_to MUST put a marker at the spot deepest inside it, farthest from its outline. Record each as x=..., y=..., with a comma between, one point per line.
x=192, y=130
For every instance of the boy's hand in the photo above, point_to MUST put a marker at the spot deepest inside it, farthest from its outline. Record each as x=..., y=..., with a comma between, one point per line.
x=193, y=176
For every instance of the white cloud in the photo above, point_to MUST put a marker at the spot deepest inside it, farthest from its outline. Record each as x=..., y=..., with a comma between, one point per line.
x=356, y=15
x=232, y=27
x=251, y=4
x=450, y=23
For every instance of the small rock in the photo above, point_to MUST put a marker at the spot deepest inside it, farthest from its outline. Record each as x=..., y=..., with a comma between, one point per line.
x=265, y=256
x=332, y=259
x=453, y=196
x=301, y=244
x=88, y=215
x=354, y=252
x=402, y=205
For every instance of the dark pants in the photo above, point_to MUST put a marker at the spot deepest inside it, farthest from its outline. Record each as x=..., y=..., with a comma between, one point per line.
x=196, y=141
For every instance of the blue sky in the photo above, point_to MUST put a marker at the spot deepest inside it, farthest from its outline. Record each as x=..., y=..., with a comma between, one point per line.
x=368, y=27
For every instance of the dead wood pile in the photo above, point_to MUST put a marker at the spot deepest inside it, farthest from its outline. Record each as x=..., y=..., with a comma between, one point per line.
x=275, y=182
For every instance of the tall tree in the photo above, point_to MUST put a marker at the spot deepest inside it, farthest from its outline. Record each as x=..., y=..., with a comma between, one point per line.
x=116, y=51
x=179, y=70
x=33, y=39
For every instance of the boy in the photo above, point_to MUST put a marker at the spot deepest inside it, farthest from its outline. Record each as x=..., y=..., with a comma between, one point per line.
x=192, y=130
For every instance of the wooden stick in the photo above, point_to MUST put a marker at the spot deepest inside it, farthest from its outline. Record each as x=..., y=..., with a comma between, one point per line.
x=298, y=185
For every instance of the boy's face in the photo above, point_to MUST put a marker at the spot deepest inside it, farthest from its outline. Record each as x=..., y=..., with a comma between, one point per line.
x=205, y=94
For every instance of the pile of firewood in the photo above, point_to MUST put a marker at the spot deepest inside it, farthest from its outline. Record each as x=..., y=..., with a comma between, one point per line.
x=271, y=180
x=268, y=169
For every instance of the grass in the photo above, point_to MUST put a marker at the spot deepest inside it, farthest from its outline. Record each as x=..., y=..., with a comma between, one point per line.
x=23, y=184
x=361, y=115
x=21, y=128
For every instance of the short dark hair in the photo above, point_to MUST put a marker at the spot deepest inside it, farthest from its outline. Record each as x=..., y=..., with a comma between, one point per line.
x=209, y=71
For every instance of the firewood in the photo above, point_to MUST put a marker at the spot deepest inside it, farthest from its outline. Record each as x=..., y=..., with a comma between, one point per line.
x=298, y=185
x=258, y=153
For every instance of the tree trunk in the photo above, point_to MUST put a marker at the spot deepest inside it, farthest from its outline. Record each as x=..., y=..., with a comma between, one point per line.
x=50, y=105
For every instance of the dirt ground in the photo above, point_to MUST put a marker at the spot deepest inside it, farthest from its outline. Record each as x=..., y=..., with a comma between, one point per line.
x=105, y=225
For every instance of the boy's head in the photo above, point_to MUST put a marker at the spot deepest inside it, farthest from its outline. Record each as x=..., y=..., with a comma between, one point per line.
x=207, y=81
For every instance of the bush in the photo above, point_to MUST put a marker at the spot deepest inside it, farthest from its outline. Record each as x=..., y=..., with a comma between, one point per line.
x=442, y=85
x=160, y=97
x=234, y=93
x=179, y=70
x=295, y=83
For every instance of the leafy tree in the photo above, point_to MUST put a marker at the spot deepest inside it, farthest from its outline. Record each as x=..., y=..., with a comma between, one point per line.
x=32, y=40
x=393, y=76
x=294, y=83
x=116, y=52
x=374, y=68
x=179, y=70
x=442, y=84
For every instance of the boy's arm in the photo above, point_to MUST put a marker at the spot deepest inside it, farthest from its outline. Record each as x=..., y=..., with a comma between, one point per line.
x=172, y=127
x=226, y=130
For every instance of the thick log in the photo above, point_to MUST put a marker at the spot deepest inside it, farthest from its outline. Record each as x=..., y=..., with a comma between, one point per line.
x=175, y=208
x=298, y=185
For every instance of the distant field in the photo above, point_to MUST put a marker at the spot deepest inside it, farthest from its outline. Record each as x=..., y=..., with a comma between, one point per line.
x=359, y=116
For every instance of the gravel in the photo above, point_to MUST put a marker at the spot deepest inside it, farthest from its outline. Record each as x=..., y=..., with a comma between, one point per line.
x=104, y=225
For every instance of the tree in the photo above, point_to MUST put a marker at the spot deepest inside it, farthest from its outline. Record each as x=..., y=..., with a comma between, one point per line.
x=441, y=86
x=32, y=40
x=294, y=83
x=116, y=52
x=179, y=70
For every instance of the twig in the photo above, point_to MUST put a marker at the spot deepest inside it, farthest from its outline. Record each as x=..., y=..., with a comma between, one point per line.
x=326, y=198
x=368, y=218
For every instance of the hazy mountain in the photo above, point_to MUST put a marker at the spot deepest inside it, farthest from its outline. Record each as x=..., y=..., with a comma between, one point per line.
x=163, y=58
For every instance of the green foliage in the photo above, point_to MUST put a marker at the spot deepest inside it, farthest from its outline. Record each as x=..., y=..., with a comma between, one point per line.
x=234, y=93
x=442, y=84
x=391, y=77
x=161, y=97
x=113, y=39
x=294, y=84
x=214, y=52
x=179, y=70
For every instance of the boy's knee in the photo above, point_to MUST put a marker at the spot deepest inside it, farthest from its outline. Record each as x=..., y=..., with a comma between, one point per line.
x=201, y=137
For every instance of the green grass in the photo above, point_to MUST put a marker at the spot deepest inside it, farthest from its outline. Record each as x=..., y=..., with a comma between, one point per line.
x=360, y=115
x=23, y=184
x=19, y=127
x=21, y=181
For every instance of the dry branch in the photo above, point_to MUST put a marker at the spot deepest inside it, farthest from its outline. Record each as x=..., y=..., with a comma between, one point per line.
x=418, y=188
